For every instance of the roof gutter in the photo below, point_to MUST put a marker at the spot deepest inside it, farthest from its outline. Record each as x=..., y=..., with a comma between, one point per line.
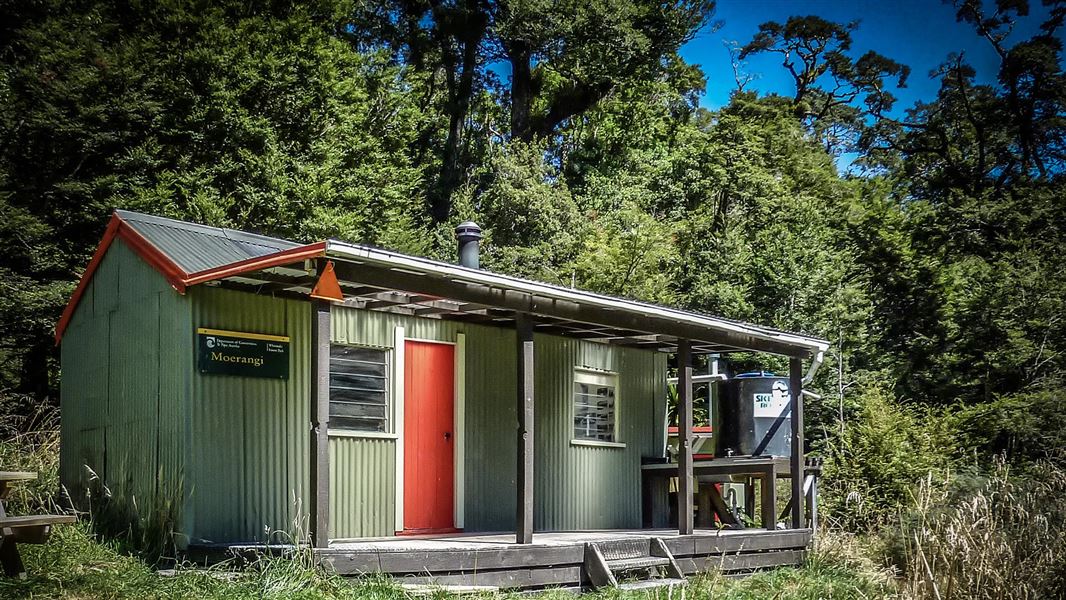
x=819, y=357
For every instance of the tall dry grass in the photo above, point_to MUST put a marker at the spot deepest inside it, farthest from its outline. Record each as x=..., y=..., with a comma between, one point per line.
x=1005, y=538
x=33, y=449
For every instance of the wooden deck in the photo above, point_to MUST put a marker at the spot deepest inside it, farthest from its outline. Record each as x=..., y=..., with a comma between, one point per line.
x=553, y=559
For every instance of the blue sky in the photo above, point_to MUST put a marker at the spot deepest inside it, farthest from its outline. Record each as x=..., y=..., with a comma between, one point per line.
x=918, y=33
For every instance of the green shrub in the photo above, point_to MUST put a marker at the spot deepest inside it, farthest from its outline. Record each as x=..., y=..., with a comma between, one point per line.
x=1023, y=427
x=872, y=467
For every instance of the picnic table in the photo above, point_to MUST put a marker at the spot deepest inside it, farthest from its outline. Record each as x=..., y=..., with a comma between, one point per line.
x=29, y=529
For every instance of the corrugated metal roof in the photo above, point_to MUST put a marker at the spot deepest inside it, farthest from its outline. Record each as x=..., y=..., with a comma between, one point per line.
x=205, y=253
x=196, y=247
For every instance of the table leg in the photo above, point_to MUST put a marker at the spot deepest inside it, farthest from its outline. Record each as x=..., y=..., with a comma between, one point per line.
x=768, y=497
x=704, y=517
x=10, y=558
x=749, y=497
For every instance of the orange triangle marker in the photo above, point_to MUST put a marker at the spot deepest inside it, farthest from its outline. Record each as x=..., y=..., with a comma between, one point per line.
x=327, y=287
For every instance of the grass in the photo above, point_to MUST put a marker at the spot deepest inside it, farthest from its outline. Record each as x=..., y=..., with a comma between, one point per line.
x=985, y=537
x=78, y=564
x=993, y=535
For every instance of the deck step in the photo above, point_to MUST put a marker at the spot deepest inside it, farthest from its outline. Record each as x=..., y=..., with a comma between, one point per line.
x=649, y=584
x=622, y=549
x=640, y=562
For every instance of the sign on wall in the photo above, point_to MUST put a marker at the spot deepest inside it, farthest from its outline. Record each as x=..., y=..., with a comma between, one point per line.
x=243, y=354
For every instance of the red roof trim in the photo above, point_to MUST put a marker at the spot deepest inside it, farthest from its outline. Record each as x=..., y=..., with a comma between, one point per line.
x=151, y=254
x=116, y=227
x=260, y=262
x=174, y=275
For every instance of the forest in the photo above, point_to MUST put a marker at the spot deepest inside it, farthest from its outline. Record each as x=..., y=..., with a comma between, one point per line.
x=925, y=242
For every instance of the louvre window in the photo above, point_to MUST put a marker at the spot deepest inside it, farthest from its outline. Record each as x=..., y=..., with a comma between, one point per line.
x=594, y=406
x=358, y=388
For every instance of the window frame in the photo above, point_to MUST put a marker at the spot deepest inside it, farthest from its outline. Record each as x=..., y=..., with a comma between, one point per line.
x=390, y=396
x=602, y=377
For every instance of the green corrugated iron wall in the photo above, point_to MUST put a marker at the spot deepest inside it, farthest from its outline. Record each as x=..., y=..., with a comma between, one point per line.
x=589, y=487
x=491, y=426
x=122, y=391
x=248, y=437
x=362, y=498
x=130, y=349
x=577, y=487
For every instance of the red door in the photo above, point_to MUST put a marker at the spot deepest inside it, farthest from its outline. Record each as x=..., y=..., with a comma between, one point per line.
x=429, y=438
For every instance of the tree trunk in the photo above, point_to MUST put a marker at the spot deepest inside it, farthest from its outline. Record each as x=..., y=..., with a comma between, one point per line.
x=521, y=90
x=33, y=374
x=468, y=31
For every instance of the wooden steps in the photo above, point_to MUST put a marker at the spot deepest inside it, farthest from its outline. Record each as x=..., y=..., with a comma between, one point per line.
x=636, y=563
x=633, y=564
x=649, y=584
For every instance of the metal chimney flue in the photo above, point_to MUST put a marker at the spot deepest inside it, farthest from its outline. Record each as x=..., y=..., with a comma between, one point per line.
x=469, y=235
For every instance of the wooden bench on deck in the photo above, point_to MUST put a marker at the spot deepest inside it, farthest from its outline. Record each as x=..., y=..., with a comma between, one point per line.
x=29, y=529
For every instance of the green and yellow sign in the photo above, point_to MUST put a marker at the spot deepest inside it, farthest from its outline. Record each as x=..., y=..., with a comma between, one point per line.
x=242, y=354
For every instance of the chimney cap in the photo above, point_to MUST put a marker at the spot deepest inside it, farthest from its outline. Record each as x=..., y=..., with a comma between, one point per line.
x=468, y=230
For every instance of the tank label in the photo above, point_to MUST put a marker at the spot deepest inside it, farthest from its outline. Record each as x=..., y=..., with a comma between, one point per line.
x=773, y=404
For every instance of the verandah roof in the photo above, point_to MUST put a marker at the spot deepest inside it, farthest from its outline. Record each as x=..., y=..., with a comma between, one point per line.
x=376, y=279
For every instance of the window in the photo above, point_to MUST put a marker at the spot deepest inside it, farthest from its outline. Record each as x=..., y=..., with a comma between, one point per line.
x=358, y=388
x=594, y=406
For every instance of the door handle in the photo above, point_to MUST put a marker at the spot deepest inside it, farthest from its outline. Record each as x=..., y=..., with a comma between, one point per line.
x=447, y=435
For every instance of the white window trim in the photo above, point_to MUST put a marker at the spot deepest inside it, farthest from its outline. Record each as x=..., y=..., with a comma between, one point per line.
x=597, y=376
x=371, y=435
x=460, y=431
x=390, y=396
x=398, y=352
x=597, y=443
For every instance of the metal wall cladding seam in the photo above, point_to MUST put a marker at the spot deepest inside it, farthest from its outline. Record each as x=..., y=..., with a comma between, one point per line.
x=133, y=384
x=590, y=487
x=83, y=401
x=362, y=487
x=175, y=373
x=249, y=437
x=116, y=421
x=491, y=427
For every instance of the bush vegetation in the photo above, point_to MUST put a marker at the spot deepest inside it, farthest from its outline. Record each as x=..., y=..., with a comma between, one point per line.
x=932, y=261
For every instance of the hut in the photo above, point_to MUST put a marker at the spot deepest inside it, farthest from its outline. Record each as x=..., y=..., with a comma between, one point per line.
x=241, y=389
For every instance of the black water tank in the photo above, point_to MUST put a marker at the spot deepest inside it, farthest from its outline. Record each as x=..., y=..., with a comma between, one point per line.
x=755, y=416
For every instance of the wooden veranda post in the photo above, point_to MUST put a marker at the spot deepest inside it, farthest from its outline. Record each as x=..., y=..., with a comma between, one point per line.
x=319, y=509
x=524, y=509
x=684, y=437
x=795, y=387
